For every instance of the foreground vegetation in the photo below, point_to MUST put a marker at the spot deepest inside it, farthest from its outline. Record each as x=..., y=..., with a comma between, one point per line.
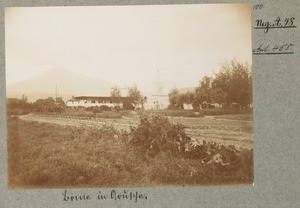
x=154, y=153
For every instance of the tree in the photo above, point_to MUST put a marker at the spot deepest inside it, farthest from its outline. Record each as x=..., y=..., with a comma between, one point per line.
x=59, y=101
x=182, y=99
x=235, y=80
x=49, y=102
x=115, y=93
x=189, y=97
x=177, y=99
x=44, y=104
x=17, y=106
x=174, y=98
x=135, y=96
x=203, y=92
x=217, y=95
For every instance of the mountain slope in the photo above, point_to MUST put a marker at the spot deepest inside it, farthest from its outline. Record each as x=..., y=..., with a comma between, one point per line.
x=68, y=84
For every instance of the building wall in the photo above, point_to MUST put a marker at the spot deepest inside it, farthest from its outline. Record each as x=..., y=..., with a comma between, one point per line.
x=157, y=102
x=187, y=107
x=91, y=103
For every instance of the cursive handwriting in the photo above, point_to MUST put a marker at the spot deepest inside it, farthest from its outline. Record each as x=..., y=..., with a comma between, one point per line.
x=257, y=6
x=286, y=48
x=68, y=197
x=114, y=195
x=277, y=23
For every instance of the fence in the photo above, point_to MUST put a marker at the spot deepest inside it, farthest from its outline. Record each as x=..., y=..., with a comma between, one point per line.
x=215, y=131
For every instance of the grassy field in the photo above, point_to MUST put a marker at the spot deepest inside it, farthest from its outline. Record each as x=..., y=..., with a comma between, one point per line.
x=49, y=155
x=237, y=132
x=172, y=113
x=84, y=113
x=203, y=112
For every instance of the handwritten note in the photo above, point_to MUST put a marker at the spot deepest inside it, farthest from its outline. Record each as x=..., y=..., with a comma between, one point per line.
x=267, y=26
x=115, y=195
x=276, y=24
x=268, y=49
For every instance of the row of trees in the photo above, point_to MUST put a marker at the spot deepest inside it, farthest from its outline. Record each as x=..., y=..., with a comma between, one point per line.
x=233, y=84
x=17, y=106
x=49, y=105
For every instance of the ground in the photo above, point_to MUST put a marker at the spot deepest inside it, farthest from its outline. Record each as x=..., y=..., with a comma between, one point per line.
x=77, y=151
x=225, y=129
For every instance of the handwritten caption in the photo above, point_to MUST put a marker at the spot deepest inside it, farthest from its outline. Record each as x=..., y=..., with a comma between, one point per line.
x=286, y=48
x=114, y=195
x=266, y=25
x=277, y=23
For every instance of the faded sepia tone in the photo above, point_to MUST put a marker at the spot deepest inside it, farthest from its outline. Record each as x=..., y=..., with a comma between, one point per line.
x=129, y=96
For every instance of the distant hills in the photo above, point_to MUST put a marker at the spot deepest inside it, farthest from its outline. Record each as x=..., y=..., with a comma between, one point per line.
x=68, y=84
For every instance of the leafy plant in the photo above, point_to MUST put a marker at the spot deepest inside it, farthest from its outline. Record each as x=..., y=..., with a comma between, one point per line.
x=157, y=134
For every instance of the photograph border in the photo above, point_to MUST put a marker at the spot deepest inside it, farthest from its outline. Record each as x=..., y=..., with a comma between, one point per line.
x=274, y=171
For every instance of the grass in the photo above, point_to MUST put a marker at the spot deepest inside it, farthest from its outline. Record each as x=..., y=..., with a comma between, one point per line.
x=42, y=155
x=237, y=117
x=200, y=113
x=54, y=156
x=172, y=113
x=178, y=113
x=223, y=111
x=112, y=114
x=83, y=113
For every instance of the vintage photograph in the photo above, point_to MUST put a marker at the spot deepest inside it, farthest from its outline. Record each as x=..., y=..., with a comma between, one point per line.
x=129, y=96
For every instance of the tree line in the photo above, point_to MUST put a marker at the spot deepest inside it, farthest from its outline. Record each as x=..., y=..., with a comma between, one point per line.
x=16, y=106
x=232, y=85
x=19, y=106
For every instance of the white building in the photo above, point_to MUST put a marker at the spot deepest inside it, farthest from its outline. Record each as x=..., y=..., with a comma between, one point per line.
x=91, y=101
x=159, y=100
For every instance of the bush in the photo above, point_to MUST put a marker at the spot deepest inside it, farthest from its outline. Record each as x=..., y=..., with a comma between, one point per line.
x=127, y=105
x=224, y=158
x=104, y=108
x=157, y=134
x=58, y=109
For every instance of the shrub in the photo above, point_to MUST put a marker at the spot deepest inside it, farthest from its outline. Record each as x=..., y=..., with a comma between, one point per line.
x=104, y=108
x=157, y=134
x=58, y=109
x=89, y=108
x=224, y=158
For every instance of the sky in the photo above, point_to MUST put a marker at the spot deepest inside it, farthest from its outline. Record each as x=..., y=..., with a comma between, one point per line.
x=127, y=45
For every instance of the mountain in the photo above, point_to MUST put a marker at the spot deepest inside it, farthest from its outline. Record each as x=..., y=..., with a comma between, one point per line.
x=68, y=84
